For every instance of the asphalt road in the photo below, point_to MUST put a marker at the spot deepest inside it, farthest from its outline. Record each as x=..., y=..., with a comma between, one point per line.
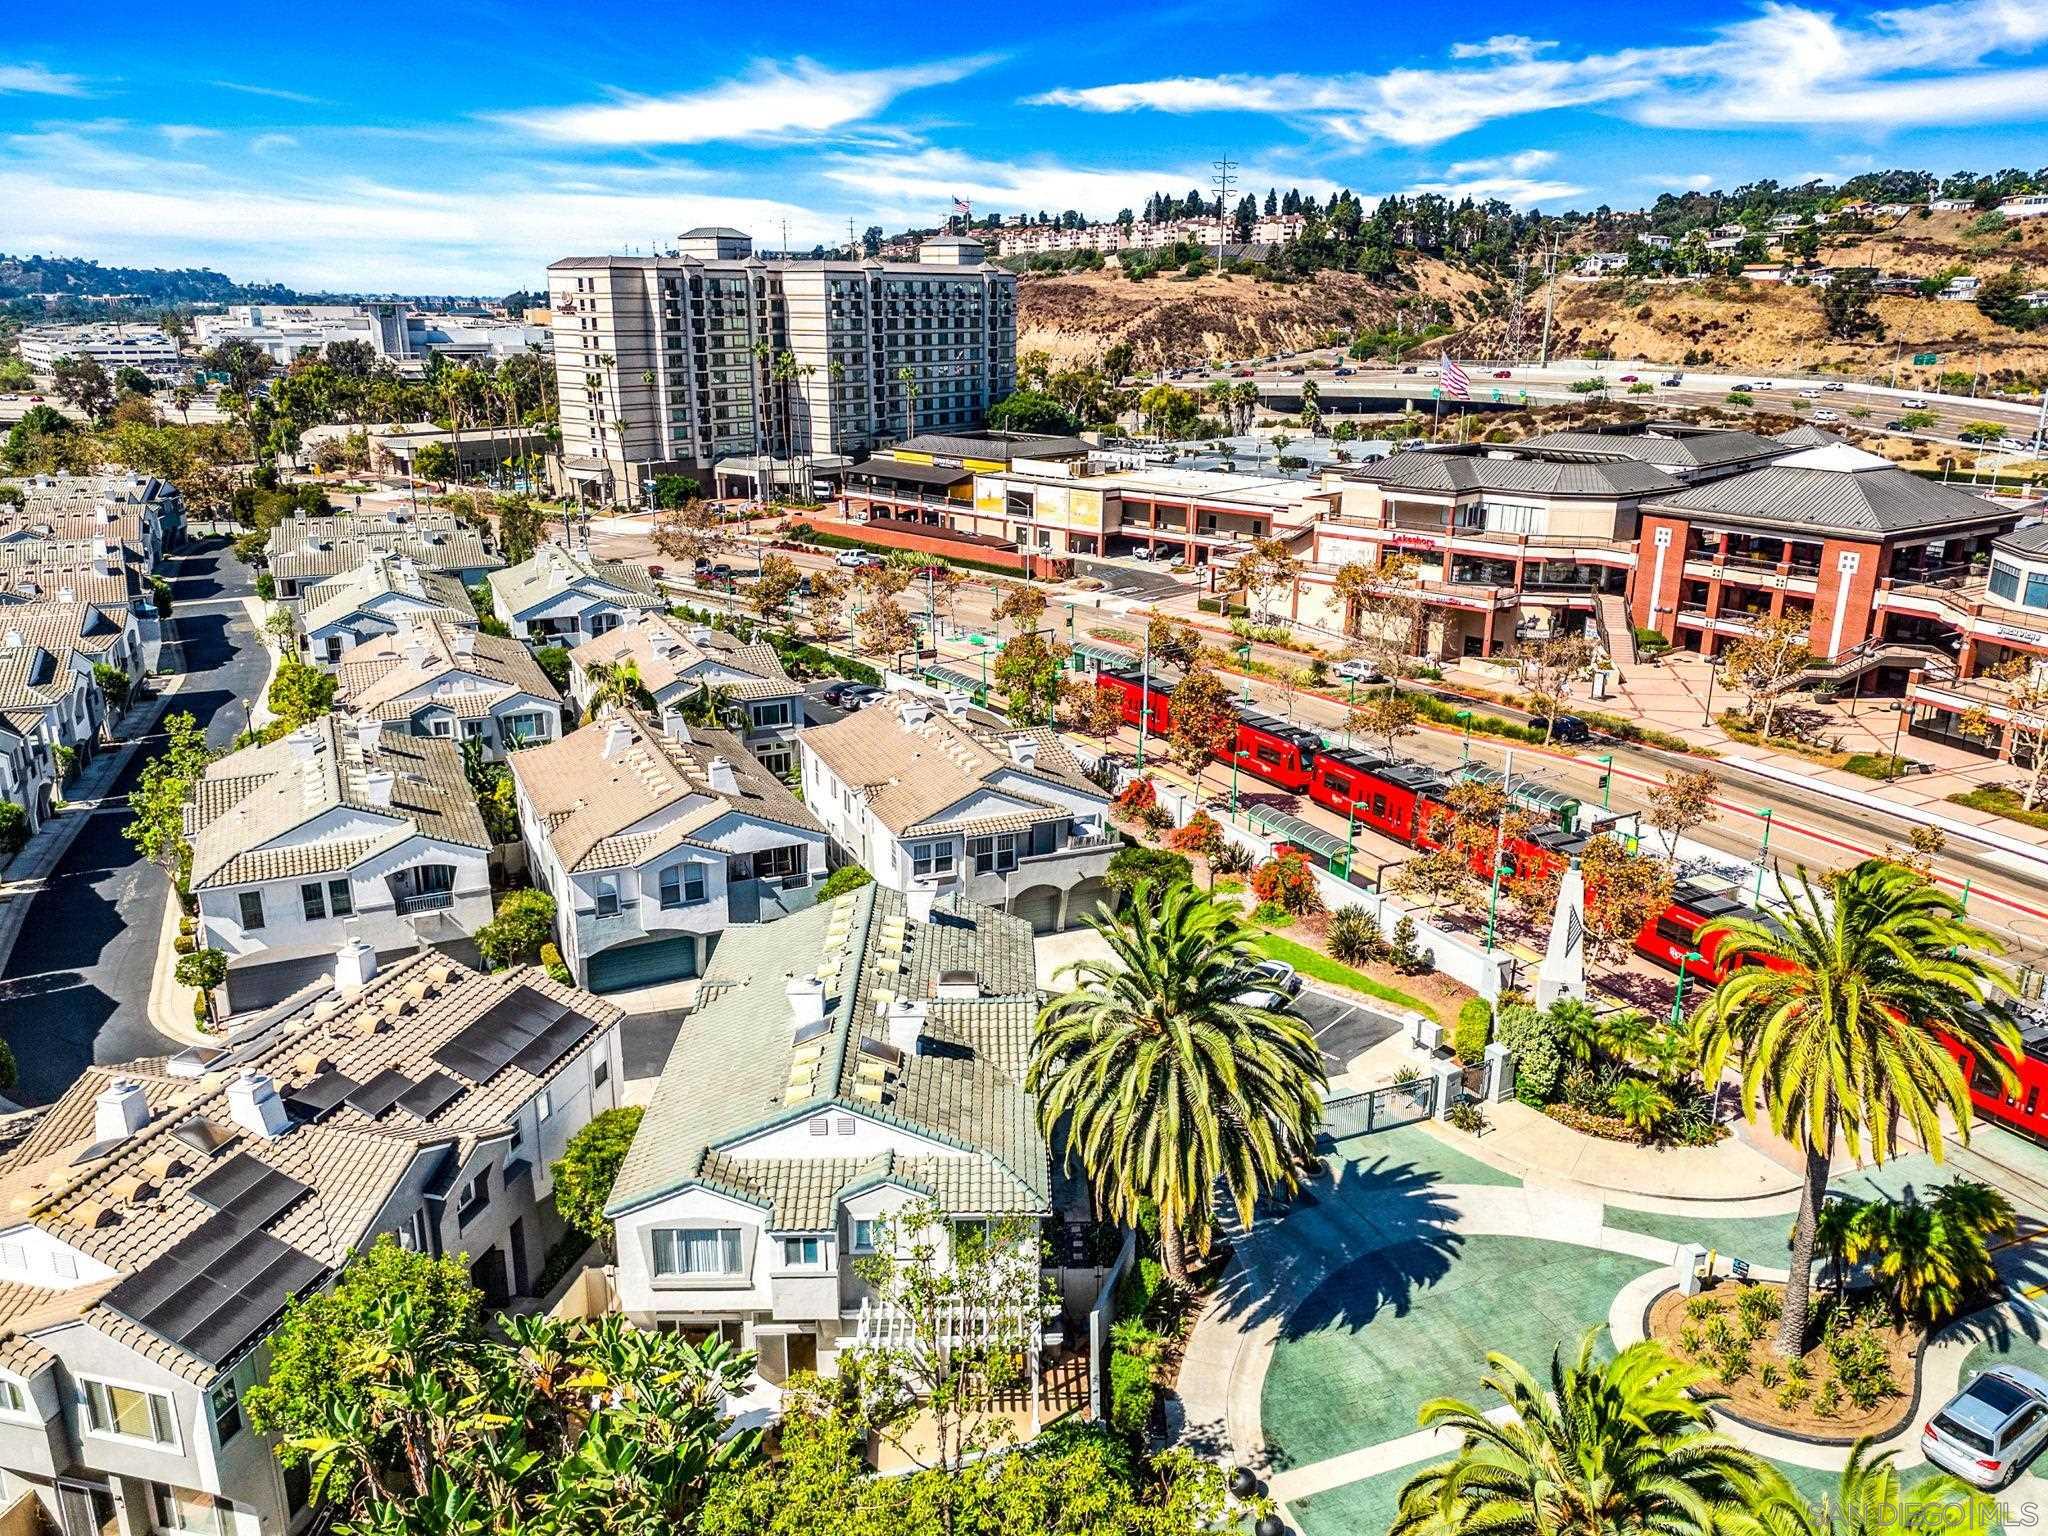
x=76, y=987
x=1344, y=1028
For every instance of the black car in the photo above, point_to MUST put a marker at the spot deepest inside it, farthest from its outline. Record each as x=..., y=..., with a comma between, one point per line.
x=835, y=693
x=1568, y=728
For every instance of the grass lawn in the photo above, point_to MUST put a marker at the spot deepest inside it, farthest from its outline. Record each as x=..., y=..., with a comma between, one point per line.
x=1318, y=966
x=1874, y=765
x=2002, y=802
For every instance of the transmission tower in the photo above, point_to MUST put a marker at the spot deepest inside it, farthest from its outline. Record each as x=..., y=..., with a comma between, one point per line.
x=1224, y=179
x=1513, y=345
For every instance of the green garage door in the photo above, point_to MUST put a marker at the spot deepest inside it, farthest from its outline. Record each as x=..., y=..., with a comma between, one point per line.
x=644, y=964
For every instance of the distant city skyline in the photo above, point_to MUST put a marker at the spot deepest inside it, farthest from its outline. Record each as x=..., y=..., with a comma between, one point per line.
x=460, y=147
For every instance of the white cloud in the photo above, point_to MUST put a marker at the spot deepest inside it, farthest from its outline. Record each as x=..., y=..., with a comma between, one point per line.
x=801, y=99
x=273, y=92
x=270, y=143
x=1503, y=45
x=35, y=80
x=1788, y=64
x=1517, y=191
x=185, y=133
x=1521, y=163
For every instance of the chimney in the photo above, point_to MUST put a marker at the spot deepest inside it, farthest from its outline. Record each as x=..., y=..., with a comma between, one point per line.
x=119, y=1112
x=102, y=558
x=369, y=734
x=956, y=704
x=700, y=635
x=678, y=728
x=305, y=743
x=918, y=899
x=354, y=964
x=906, y=1024
x=719, y=771
x=914, y=711
x=806, y=996
x=1023, y=751
x=463, y=641
x=67, y=595
x=254, y=1106
x=415, y=647
x=618, y=735
x=377, y=786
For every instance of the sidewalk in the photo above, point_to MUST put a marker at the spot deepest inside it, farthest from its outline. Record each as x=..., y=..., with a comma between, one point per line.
x=27, y=873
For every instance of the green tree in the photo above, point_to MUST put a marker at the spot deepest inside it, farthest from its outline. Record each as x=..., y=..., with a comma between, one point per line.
x=1848, y=307
x=1835, y=1032
x=847, y=877
x=1029, y=411
x=1162, y=1084
x=1931, y=1257
x=774, y=587
x=130, y=380
x=617, y=685
x=114, y=686
x=520, y=526
x=13, y=829
x=1203, y=720
x=82, y=382
x=588, y=1168
x=300, y=693
x=1602, y=1446
x=203, y=969
x=1029, y=670
x=671, y=491
x=434, y=461
x=158, y=827
x=525, y=920
x=554, y=661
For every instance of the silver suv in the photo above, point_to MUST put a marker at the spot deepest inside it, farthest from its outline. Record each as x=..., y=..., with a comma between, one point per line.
x=1987, y=1431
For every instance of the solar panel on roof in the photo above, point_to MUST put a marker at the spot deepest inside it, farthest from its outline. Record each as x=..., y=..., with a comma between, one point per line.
x=553, y=1043
x=321, y=1095
x=429, y=1096
x=485, y=1048
x=881, y=1051
x=97, y=1150
x=810, y=1032
x=202, y=1135
x=250, y=1191
x=380, y=1092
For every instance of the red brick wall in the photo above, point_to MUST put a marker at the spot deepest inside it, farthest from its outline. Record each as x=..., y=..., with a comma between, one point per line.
x=1651, y=594
x=957, y=546
x=1855, y=595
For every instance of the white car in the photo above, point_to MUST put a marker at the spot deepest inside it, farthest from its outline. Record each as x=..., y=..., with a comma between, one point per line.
x=1987, y=1431
x=853, y=559
x=1276, y=974
x=1913, y=403
x=1824, y=414
x=1266, y=998
x=1834, y=386
x=1432, y=373
x=1357, y=672
x=1809, y=394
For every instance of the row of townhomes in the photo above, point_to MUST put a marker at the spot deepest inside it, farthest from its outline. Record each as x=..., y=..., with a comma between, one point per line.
x=77, y=558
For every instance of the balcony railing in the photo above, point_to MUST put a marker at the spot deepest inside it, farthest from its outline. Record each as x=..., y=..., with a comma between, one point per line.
x=426, y=901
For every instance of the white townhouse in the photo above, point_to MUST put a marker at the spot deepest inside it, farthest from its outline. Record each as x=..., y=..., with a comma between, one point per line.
x=308, y=549
x=677, y=660
x=382, y=595
x=564, y=595
x=918, y=788
x=841, y=1065
x=446, y=680
x=158, y=1218
x=655, y=841
x=338, y=829
x=42, y=694
x=28, y=773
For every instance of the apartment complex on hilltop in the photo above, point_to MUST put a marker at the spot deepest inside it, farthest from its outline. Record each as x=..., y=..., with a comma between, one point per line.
x=673, y=363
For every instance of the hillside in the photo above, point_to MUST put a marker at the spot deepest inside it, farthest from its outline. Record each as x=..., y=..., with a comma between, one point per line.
x=72, y=278
x=1723, y=323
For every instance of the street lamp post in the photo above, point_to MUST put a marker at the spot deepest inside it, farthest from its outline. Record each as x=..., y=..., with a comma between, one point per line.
x=1245, y=654
x=1692, y=957
x=1464, y=717
x=1891, y=769
x=1713, y=666
x=1350, y=824
x=1233, y=782
x=1762, y=856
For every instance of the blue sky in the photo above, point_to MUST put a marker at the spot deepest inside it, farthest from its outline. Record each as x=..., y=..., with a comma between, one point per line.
x=458, y=145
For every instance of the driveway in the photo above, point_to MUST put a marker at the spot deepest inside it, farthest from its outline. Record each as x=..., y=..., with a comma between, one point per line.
x=76, y=987
x=1344, y=1027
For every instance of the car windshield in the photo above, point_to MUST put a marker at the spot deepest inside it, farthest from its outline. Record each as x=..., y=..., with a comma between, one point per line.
x=1960, y=1434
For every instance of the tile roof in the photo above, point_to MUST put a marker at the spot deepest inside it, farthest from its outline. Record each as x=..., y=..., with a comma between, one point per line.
x=60, y=627
x=437, y=662
x=36, y=568
x=735, y=1069
x=306, y=549
x=911, y=760
x=130, y=1204
x=433, y=595
x=246, y=803
x=1834, y=489
x=665, y=650
x=32, y=678
x=554, y=570
x=595, y=802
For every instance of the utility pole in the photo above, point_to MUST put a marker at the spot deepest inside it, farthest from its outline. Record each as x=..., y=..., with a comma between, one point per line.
x=1549, y=297
x=1224, y=179
x=852, y=244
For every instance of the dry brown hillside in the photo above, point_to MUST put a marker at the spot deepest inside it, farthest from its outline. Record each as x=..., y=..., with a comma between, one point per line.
x=1725, y=324
x=1170, y=323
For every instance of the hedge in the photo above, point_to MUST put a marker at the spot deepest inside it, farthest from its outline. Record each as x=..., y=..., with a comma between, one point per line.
x=1474, y=1031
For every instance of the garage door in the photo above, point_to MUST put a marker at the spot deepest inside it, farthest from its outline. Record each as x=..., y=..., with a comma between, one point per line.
x=644, y=964
x=1039, y=906
x=1088, y=899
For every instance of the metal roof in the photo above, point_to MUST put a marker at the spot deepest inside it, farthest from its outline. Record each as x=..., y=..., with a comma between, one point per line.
x=1292, y=829
x=1833, y=489
x=1522, y=791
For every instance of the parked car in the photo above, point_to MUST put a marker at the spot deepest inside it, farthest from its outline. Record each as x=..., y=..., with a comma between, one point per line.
x=1265, y=997
x=1503, y=373
x=1413, y=444
x=1913, y=403
x=835, y=693
x=1277, y=975
x=1356, y=671
x=1987, y=1432
x=1824, y=414
x=861, y=695
x=1568, y=728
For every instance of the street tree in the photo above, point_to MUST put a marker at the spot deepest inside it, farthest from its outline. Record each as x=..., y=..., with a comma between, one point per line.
x=203, y=969
x=883, y=629
x=1172, y=643
x=1386, y=714
x=82, y=382
x=1267, y=569
x=1030, y=670
x=774, y=587
x=1383, y=611
x=1681, y=803
x=1090, y=710
x=1203, y=720
x=2023, y=719
x=1549, y=667
x=1764, y=664
x=1021, y=606
x=827, y=599
x=299, y=693
x=689, y=532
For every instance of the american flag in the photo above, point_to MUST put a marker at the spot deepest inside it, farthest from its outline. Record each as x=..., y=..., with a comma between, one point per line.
x=1456, y=385
x=963, y=207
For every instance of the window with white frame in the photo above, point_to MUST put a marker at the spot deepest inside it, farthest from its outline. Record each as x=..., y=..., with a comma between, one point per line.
x=802, y=1252
x=188, y=1510
x=770, y=713
x=993, y=855
x=13, y=1397
x=129, y=1412
x=225, y=1403
x=607, y=897
x=928, y=859
x=696, y=1251
x=544, y=1106
x=682, y=885
x=865, y=1230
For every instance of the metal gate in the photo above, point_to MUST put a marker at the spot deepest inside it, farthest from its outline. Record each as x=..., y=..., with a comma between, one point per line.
x=1379, y=1109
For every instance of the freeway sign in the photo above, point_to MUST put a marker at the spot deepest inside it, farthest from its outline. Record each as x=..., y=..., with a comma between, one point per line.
x=1926, y=359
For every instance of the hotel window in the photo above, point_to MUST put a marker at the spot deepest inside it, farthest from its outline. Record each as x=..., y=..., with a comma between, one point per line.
x=696, y=1251
x=129, y=1413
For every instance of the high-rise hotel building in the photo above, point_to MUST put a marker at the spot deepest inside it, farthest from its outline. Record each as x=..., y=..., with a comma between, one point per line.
x=674, y=363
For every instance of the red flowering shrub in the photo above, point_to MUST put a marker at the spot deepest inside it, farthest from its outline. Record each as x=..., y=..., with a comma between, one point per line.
x=1201, y=835
x=1289, y=884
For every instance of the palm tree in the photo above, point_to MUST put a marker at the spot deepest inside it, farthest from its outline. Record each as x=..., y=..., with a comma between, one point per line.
x=710, y=705
x=1840, y=1233
x=1931, y=1256
x=1641, y=1105
x=907, y=377
x=1867, y=1501
x=1836, y=1029
x=1165, y=1082
x=1606, y=1446
x=617, y=686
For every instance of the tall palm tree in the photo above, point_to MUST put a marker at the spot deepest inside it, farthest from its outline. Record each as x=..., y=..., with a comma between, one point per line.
x=617, y=685
x=1836, y=1029
x=710, y=705
x=1840, y=1233
x=1162, y=1083
x=1867, y=1500
x=1604, y=1446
